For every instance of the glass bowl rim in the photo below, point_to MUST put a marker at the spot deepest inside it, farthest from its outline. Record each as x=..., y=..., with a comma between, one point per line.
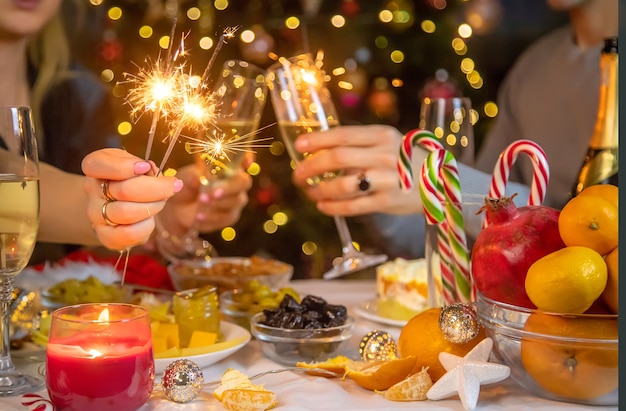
x=499, y=326
x=265, y=331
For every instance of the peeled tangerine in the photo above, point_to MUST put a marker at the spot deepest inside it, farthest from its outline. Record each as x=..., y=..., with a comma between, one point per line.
x=237, y=393
x=567, y=281
x=413, y=388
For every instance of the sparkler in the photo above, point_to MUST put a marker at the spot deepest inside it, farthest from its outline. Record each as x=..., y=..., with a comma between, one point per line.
x=165, y=90
x=216, y=147
x=168, y=92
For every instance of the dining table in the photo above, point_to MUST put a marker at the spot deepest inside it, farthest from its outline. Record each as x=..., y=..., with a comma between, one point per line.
x=301, y=391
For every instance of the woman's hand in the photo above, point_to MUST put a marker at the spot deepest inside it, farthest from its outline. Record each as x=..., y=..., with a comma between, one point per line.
x=135, y=196
x=217, y=206
x=368, y=157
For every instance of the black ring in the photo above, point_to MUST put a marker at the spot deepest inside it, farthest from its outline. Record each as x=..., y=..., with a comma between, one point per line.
x=364, y=182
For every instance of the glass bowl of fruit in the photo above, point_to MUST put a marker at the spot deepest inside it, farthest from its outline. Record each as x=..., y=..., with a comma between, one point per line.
x=240, y=304
x=308, y=331
x=228, y=273
x=562, y=357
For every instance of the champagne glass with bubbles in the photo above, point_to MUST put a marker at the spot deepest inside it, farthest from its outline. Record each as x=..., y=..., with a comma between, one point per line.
x=303, y=104
x=242, y=92
x=451, y=120
x=19, y=222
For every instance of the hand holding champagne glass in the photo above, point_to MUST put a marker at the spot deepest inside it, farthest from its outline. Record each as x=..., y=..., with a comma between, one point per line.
x=303, y=104
x=19, y=222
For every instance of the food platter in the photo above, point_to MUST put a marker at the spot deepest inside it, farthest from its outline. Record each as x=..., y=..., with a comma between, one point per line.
x=231, y=332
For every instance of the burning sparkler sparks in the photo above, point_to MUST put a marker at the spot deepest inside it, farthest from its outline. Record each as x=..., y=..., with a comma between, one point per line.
x=216, y=148
x=165, y=90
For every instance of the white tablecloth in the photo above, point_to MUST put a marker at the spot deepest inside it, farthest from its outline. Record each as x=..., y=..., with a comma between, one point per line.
x=297, y=391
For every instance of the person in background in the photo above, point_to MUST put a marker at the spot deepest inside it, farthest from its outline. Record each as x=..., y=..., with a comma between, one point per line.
x=73, y=118
x=550, y=96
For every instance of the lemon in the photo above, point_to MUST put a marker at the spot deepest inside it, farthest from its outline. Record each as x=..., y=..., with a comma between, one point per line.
x=568, y=280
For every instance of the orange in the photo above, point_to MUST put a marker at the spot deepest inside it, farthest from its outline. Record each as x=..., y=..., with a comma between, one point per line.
x=412, y=388
x=568, y=280
x=248, y=400
x=610, y=294
x=607, y=191
x=572, y=369
x=421, y=337
x=336, y=365
x=380, y=375
x=589, y=221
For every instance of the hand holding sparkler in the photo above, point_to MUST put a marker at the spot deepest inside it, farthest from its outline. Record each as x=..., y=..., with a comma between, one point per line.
x=241, y=92
x=122, y=197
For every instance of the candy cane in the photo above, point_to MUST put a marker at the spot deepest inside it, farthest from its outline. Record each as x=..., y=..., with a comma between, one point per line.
x=502, y=170
x=440, y=183
x=432, y=199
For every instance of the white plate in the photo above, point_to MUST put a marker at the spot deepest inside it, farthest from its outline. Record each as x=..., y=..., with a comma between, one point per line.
x=231, y=332
x=369, y=310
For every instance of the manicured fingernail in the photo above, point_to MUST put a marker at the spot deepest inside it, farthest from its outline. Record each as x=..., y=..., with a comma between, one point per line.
x=204, y=198
x=218, y=193
x=178, y=185
x=142, y=167
x=200, y=216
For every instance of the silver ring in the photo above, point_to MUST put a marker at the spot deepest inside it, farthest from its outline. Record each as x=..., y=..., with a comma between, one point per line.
x=104, y=214
x=104, y=186
x=364, y=182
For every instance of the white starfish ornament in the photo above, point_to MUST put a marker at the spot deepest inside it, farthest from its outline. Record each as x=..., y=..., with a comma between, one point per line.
x=466, y=374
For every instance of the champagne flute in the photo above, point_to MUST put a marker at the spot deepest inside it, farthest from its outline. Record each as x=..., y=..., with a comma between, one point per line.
x=303, y=104
x=451, y=120
x=242, y=92
x=19, y=222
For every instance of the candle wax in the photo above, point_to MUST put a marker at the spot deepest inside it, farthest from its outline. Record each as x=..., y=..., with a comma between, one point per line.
x=118, y=375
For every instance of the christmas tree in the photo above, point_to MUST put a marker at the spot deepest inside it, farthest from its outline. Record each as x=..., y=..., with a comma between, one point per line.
x=390, y=54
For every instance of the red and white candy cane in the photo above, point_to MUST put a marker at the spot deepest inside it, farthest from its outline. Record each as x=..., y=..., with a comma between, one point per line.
x=439, y=185
x=541, y=171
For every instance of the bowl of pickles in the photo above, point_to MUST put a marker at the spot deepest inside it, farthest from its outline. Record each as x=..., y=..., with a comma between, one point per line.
x=240, y=304
x=90, y=290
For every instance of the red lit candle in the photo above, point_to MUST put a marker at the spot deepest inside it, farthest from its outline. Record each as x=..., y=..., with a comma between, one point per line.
x=99, y=357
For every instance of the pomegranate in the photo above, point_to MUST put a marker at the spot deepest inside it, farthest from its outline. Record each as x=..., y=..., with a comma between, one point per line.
x=512, y=241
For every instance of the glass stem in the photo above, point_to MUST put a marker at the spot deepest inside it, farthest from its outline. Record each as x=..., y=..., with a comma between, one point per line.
x=347, y=247
x=6, y=290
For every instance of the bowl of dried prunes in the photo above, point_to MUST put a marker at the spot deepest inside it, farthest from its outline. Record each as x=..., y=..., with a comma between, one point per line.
x=302, y=331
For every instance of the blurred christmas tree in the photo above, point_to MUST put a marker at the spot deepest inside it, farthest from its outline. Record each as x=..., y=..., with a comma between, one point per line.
x=388, y=53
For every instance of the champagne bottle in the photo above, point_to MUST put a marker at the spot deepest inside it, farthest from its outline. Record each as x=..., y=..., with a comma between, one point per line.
x=600, y=165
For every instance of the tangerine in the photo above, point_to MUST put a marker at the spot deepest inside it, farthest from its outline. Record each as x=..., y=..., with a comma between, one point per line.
x=412, y=388
x=335, y=365
x=607, y=191
x=589, y=221
x=421, y=337
x=248, y=400
x=570, y=368
x=568, y=280
x=610, y=294
x=380, y=375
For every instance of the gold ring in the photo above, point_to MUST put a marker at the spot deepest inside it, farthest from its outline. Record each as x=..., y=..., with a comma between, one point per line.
x=104, y=214
x=104, y=186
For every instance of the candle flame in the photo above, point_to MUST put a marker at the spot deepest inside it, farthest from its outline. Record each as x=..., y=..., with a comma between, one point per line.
x=104, y=316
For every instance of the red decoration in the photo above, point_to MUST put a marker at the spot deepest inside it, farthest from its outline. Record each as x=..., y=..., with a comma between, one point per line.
x=350, y=7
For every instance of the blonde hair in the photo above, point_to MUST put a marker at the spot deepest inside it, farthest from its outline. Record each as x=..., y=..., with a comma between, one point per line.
x=49, y=54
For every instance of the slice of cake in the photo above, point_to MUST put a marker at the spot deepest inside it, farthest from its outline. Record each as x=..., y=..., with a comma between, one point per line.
x=402, y=288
